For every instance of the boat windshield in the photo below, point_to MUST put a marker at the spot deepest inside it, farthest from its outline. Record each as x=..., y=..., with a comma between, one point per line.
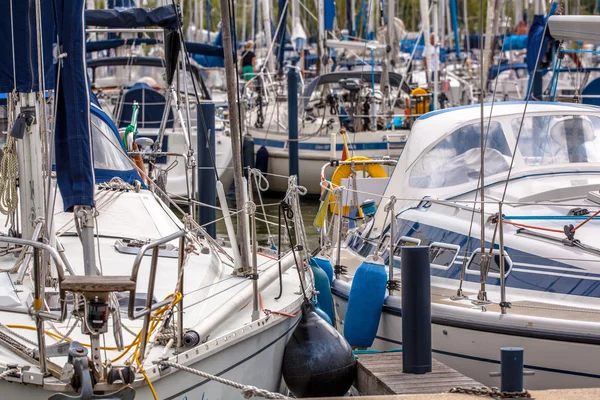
x=558, y=139
x=456, y=158
x=106, y=147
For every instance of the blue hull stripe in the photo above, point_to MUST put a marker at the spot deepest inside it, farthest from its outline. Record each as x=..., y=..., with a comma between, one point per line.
x=569, y=279
x=323, y=146
x=488, y=360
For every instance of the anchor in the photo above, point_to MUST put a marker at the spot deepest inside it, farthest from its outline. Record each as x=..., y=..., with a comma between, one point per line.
x=77, y=372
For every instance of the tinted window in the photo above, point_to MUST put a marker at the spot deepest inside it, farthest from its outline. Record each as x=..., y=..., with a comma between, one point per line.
x=494, y=267
x=442, y=256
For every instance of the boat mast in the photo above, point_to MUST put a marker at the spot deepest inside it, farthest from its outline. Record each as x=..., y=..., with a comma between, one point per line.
x=244, y=9
x=266, y=9
x=322, y=65
x=490, y=34
x=236, y=140
x=484, y=258
x=425, y=18
x=436, y=52
x=391, y=30
x=371, y=23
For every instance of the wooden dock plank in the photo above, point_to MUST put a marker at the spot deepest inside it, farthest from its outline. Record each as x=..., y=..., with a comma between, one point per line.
x=381, y=374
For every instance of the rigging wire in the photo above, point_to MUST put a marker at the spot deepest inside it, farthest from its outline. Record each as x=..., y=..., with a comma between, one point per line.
x=186, y=60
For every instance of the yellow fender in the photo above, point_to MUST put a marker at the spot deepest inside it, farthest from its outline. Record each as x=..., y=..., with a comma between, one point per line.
x=344, y=171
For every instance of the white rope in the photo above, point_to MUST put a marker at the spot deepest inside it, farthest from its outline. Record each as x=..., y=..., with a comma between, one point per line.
x=247, y=390
x=262, y=185
x=8, y=372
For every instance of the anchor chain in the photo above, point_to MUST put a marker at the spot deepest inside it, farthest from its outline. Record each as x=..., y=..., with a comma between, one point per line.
x=492, y=392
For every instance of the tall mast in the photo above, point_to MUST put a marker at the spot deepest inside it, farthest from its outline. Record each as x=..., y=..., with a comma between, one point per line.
x=266, y=9
x=371, y=19
x=200, y=23
x=425, y=18
x=236, y=140
x=321, y=37
x=244, y=9
x=490, y=33
x=391, y=29
x=436, y=52
x=253, y=28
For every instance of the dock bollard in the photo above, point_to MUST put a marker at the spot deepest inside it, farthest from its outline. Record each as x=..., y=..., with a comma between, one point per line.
x=416, y=310
x=511, y=369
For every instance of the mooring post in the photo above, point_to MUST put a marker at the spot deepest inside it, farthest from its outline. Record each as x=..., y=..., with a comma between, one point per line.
x=511, y=369
x=206, y=169
x=416, y=310
x=293, y=121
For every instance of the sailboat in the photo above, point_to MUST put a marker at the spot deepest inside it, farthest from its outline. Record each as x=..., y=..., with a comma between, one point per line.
x=505, y=197
x=101, y=283
x=540, y=291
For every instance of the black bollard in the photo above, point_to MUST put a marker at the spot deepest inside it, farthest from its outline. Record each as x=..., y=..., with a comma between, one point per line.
x=416, y=310
x=293, y=121
x=207, y=192
x=511, y=369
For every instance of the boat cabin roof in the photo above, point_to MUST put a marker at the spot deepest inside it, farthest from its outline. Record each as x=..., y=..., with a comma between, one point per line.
x=442, y=155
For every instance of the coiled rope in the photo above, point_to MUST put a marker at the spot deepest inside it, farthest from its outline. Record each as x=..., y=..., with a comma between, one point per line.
x=9, y=173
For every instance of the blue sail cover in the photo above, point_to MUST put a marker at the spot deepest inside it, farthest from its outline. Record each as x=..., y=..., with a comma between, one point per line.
x=279, y=39
x=329, y=14
x=165, y=17
x=207, y=60
x=538, y=36
x=99, y=45
x=17, y=24
x=74, y=168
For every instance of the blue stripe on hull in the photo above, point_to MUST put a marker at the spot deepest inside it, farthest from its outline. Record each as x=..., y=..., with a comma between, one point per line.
x=575, y=281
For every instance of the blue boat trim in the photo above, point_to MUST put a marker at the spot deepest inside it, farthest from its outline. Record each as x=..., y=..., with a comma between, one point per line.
x=238, y=363
x=534, y=275
x=491, y=361
x=496, y=328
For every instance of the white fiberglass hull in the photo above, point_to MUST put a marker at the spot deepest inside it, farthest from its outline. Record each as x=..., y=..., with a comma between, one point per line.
x=314, y=153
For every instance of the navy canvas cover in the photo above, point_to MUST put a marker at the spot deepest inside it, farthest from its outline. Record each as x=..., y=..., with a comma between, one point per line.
x=152, y=107
x=74, y=167
x=18, y=26
x=165, y=17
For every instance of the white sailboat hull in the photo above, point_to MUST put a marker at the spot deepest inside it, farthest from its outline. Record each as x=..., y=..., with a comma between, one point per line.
x=254, y=361
x=311, y=161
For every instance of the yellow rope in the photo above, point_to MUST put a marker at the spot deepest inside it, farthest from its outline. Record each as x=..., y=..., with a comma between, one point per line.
x=156, y=318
